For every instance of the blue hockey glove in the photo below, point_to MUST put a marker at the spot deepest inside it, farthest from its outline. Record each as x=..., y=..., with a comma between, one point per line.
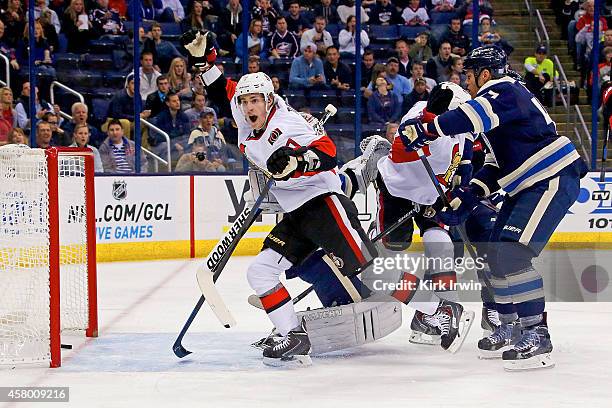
x=414, y=135
x=463, y=174
x=462, y=202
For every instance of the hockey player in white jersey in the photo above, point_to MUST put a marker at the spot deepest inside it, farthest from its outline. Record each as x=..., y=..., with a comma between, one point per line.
x=302, y=161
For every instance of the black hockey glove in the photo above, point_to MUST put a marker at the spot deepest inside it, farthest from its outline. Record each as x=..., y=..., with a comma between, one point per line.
x=283, y=163
x=439, y=100
x=200, y=47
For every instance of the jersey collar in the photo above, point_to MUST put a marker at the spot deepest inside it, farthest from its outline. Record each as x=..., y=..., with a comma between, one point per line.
x=493, y=82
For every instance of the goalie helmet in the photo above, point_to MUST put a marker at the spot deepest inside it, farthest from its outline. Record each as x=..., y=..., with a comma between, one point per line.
x=253, y=84
x=446, y=96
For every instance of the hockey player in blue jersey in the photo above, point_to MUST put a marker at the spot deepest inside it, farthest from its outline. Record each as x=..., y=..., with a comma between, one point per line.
x=540, y=172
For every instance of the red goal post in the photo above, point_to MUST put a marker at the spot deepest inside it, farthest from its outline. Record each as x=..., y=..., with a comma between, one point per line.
x=47, y=251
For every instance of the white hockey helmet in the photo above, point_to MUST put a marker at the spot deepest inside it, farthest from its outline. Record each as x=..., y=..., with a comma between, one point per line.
x=252, y=84
x=460, y=95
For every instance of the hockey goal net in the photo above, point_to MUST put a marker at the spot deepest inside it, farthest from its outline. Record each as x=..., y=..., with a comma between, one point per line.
x=47, y=251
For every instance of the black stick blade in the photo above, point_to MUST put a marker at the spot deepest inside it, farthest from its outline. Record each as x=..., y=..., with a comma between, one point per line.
x=180, y=351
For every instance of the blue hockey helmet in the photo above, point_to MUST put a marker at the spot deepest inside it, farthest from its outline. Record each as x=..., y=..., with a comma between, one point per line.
x=488, y=57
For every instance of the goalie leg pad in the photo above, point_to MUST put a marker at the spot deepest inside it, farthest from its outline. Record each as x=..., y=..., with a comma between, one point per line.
x=338, y=328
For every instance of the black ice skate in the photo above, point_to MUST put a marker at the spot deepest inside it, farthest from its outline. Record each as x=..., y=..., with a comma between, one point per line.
x=489, y=321
x=454, y=323
x=424, y=330
x=531, y=351
x=291, y=351
x=502, y=337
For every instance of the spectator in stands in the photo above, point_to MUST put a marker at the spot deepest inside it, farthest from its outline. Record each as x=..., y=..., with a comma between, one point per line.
x=43, y=135
x=444, y=6
x=403, y=55
x=148, y=75
x=77, y=27
x=346, y=38
x=264, y=11
x=337, y=74
x=346, y=10
x=296, y=22
x=176, y=7
x=146, y=45
x=156, y=101
x=179, y=78
x=538, y=71
x=438, y=67
x=152, y=10
x=80, y=113
x=106, y=20
x=50, y=22
x=391, y=130
x=23, y=107
x=465, y=12
x=455, y=78
x=175, y=123
x=8, y=51
x=384, y=105
x=604, y=68
x=166, y=51
x=278, y=87
x=17, y=136
x=212, y=139
x=196, y=160
x=230, y=25
x=414, y=15
x=460, y=43
x=607, y=42
x=256, y=42
x=198, y=107
x=418, y=94
x=584, y=35
x=80, y=138
x=196, y=19
x=420, y=51
x=328, y=11
x=283, y=43
x=8, y=115
x=121, y=105
x=401, y=85
x=385, y=13
x=318, y=35
x=488, y=36
x=418, y=72
x=43, y=58
x=367, y=65
x=307, y=70
x=457, y=69
x=253, y=65
x=58, y=136
x=118, y=153
x=13, y=18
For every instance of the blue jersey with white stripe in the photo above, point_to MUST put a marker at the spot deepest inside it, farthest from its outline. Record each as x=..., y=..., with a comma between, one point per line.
x=523, y=136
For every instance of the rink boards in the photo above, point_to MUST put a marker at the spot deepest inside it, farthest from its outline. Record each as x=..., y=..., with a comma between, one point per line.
x=174, y=216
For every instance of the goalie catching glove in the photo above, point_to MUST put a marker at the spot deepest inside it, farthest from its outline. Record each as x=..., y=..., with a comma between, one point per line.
x=285, y=162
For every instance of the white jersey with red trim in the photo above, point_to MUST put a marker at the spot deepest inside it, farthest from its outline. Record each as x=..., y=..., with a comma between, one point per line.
x=286, y=127
x=404, y=174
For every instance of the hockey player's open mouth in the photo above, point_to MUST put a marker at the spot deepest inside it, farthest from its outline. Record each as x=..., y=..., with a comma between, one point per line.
x=253, y=118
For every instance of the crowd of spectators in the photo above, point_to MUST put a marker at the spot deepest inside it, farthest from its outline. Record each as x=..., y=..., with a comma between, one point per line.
x=316, y=40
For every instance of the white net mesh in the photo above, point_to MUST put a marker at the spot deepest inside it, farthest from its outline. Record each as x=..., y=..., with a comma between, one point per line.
x=24, y=252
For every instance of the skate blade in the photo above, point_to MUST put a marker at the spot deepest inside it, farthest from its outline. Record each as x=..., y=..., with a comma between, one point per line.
x=259, y=344
x=492, y=354
x=467, y=318
x=291, y=362
x=424, y=339
x=533, y=363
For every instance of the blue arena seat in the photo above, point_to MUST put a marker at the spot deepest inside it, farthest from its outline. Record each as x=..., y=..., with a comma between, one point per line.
x=410, y=32
x=386, y=33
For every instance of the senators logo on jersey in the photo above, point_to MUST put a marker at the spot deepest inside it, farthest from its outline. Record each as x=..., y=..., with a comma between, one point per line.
x=274, y=135
x=445, y=179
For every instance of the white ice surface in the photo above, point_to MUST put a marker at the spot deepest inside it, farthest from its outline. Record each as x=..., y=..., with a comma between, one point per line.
x=143, y=306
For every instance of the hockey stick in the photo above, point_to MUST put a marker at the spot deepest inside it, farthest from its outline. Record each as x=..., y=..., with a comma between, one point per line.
x=254, y=299
x=247, y=217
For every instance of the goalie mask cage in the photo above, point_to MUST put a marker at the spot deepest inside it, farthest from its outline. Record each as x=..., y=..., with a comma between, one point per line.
x=47, y=251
